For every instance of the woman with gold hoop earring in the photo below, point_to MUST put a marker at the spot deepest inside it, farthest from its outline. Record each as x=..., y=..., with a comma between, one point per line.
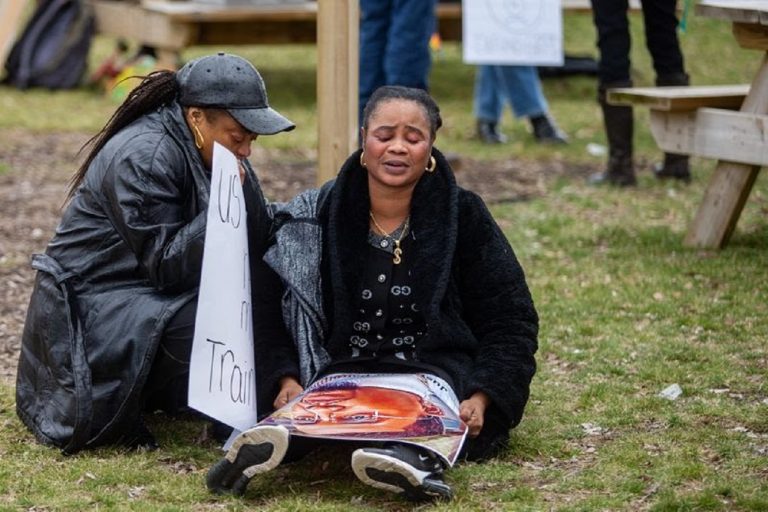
x=401, y=272
x=121, y=274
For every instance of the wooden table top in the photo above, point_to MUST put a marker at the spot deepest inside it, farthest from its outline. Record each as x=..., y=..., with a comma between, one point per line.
x=738, y=11
x=190, y=11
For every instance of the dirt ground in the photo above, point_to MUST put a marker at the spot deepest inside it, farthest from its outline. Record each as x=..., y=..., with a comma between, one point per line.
x=35, y=170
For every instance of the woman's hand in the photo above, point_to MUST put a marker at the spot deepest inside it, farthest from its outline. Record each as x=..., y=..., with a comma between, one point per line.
x=472, y=412
x=289, y=389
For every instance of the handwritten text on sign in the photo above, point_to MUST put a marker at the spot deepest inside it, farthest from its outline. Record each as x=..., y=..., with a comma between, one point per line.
x=222, y=380
x=514, y=32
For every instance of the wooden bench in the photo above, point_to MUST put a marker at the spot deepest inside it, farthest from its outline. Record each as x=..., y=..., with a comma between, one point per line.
x=727, y=123
x=701, y=121
x=680, y=98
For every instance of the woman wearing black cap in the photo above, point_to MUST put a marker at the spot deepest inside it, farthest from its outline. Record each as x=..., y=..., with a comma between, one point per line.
x=110, y=322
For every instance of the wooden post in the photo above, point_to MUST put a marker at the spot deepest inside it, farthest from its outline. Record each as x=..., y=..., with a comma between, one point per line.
x=11, y=15
x=338, y=26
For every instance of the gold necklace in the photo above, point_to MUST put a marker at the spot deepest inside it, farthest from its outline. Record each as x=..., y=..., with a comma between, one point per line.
x=398, y=252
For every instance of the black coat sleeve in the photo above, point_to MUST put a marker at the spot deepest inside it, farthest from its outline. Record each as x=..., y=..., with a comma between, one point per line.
x=498, y=309
x=275, y=351
x=146, y=187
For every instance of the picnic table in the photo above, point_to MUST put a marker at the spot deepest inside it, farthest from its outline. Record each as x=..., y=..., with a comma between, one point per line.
x=728, y=123
x=739, y=136
x=736, y=138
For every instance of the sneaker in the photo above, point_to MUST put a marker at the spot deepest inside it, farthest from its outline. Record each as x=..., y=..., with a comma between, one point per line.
x=403, y=470
x=254, y=451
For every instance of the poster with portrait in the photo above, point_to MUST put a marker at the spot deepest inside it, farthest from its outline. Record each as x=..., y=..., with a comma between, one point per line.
x=222, y=380
x=517, y=32
x=419, y=409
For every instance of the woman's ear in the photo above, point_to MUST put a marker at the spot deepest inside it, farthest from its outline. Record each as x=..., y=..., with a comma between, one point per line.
x=362, y=137
x=195, y=114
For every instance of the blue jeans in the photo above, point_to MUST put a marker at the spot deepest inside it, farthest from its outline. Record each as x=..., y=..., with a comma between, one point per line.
x=394, y=44
x=518, y=85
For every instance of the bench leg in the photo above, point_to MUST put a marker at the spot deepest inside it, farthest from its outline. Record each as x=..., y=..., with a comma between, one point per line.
x=718, y=213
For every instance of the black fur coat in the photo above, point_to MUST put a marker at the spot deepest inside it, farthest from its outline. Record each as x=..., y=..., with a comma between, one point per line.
x=482, y=326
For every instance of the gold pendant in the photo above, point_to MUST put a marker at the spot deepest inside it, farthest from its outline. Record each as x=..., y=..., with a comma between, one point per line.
x=397, y=252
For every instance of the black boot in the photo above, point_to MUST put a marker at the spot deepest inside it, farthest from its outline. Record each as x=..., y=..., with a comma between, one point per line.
x=488, y=132
x=619, y=129
x=545, y=130
x=675, y=166
x=139, y=437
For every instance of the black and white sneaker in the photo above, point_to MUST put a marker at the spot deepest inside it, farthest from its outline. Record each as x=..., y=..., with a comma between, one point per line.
x=402, y=469
x=256, y=450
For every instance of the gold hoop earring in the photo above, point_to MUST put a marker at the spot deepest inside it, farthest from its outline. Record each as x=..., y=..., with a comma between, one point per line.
x=199, y=135
x=362, y=161
x=432, y=164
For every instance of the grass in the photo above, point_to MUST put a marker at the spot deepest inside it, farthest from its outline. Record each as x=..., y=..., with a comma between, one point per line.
x=625, y=312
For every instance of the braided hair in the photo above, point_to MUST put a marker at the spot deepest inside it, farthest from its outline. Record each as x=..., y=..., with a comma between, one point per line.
x=155, y=90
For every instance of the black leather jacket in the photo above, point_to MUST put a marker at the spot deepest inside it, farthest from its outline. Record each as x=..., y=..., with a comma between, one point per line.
x=125, y=257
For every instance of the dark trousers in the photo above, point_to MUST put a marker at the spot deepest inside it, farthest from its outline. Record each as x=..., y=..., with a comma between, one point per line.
x=613, y=40
x=168, y=380
x=492, y=441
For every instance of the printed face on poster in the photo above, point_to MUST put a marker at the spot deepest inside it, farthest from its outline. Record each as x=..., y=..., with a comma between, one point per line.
x=514, y=32
x=419, y=409
x=222, y=380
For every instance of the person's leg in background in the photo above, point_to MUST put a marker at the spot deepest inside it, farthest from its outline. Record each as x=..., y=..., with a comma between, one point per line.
x=407, y=59
x=521, y=87
x=660, y=18
x=375, y=16
x=613, y=40
x=488, y=105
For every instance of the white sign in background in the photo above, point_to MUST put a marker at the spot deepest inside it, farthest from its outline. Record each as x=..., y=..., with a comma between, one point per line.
x=516, y=32
x=222, y=375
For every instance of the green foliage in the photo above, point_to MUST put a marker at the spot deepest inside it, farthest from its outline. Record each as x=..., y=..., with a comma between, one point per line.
x=625, y=312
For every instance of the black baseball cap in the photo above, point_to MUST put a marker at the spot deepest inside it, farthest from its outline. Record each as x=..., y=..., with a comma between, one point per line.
x=231, y=83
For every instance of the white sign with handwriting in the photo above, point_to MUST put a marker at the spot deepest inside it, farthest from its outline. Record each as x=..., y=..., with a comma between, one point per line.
x=222, y=375
x=516, y=32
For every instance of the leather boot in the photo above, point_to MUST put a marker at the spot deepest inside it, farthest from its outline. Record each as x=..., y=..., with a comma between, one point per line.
x=619, y=129
x=488, y=132
x=675, y=166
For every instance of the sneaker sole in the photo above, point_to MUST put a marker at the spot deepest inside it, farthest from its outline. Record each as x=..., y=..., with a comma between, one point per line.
x=254, y=451
x=394, y=475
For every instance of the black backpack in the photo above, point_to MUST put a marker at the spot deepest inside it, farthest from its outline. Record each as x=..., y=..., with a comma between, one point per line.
x=53, y=50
